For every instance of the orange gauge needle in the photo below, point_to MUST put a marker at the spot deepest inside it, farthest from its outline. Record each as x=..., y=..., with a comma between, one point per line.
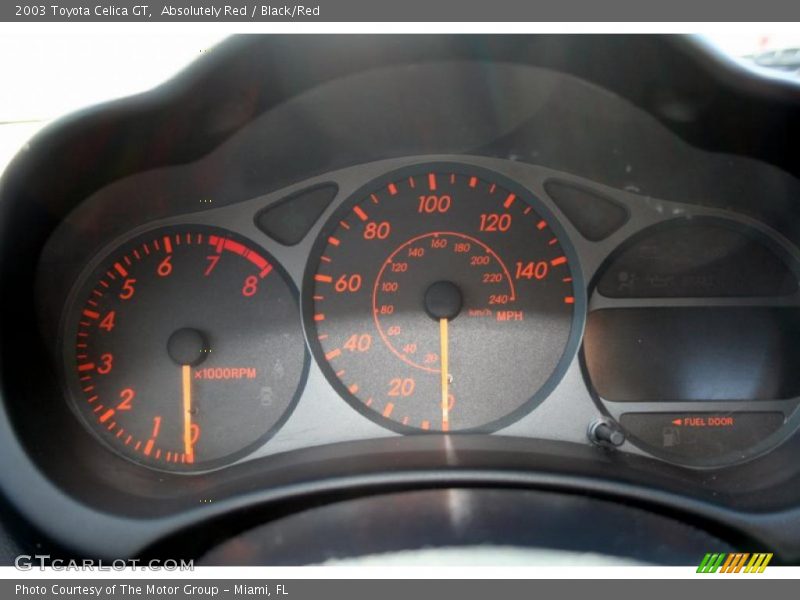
x=443, y=346
x=186, y=372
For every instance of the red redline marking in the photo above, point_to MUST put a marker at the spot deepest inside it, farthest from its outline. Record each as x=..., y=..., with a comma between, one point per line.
x=333, y=354
x=360, y=212
x=259, y=261
x=167, y=245
x=333, y=241
x=91, y=314
x=107, y=415
x=473, y=181
x=558, y=261
x=265, y=271
x=323, y=278
x=392, y=189
x=569, y=300
x=235, y=247
x=509, y=201
x=432, y=181
x=86, y=366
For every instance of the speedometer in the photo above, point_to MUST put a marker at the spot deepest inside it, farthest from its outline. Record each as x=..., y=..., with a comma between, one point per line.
x=443, y=298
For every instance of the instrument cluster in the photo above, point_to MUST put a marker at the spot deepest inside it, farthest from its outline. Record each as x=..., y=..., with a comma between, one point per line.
x=436, y=295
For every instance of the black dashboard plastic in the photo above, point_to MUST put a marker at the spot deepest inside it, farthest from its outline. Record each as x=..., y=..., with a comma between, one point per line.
x=682, y=109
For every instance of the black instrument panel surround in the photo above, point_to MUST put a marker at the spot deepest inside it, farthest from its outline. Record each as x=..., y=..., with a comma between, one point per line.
x=236, y=136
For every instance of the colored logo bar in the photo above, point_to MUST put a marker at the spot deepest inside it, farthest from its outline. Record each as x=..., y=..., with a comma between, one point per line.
x=734, y=563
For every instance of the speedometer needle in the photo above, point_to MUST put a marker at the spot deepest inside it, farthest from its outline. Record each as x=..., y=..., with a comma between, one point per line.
x=186, y=372
x=443, y=346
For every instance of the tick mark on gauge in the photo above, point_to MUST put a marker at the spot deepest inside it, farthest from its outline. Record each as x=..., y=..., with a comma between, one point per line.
x=360, y=213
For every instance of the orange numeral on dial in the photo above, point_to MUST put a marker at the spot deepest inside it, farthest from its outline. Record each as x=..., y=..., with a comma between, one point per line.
x=127, y=395
x=434, y=204
x=348, y=283
x=106, y=364
x=495, y=222
x=128, y=289
x=165, y=267
x=401, y=387
x=532, y=270
x=358, y=343
x=108, y=321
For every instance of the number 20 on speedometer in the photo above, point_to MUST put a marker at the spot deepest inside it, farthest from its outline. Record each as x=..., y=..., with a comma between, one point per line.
x=443, y=298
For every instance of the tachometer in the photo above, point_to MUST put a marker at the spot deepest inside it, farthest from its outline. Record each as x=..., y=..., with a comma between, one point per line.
x=184, y=348
x=443, y=298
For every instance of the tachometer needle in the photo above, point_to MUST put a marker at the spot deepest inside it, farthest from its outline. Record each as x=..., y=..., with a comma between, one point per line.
x=443, y=345
x=186, y=372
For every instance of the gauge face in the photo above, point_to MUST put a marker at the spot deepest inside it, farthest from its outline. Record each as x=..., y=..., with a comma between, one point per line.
x=184, y=348
x=442, y=298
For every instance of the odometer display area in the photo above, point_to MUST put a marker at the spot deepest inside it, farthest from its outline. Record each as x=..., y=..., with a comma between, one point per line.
x=183, y=348
x=443, y=298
